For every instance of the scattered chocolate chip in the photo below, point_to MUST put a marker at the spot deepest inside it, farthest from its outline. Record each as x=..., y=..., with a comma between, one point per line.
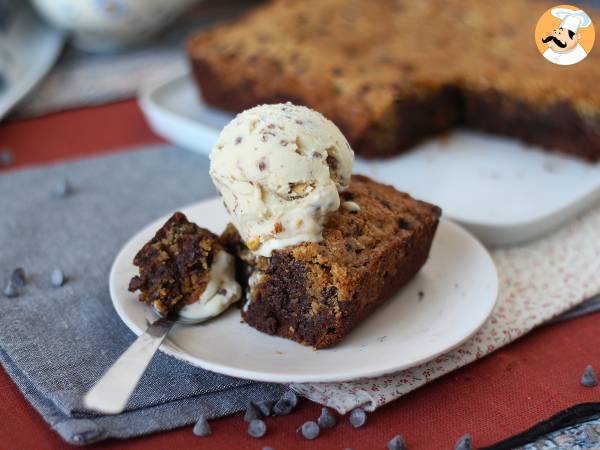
x=257, y=428
x=57, y=278
x=222, y=291
x=291, y=397
x=262, y=165
x=464, y=443
x=316, y=155
x=10, y=291
x=283, y=143
x=310, y=430
x=589, y=378
x=63, y=188
x=265, y=407
x=326, y=419
x=18, y=277
x=6, y=157
x=238, y=140
x=299, y=122
x=267, y=448
x=403, y=224
x=202, y=428
x=252, y=412
x=358, y=417
x=271, y=126
x=396, y=443
x=282, y=407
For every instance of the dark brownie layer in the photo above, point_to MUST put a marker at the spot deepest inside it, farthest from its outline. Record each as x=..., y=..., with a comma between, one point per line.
x=316, y=293
x=175, y=264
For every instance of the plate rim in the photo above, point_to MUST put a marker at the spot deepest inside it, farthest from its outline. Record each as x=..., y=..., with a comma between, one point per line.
x=170, y=348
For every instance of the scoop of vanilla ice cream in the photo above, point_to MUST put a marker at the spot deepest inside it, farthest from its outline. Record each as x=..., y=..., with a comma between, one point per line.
x=279, y=169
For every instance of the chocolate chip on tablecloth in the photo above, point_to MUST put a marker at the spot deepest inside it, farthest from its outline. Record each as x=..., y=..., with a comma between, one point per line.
x=326, y=419
x=63, y=188
x=265, y=407
x=396, y=443
x=18, y=277
x=57, y=278
x=257, y=428
x=202, y=428
x=589, y=377
x=286, y=404
x=252, y=412
x=6, y=156
x=358, y=417
x=464, y=443
x=10, y=291
x=310, y=430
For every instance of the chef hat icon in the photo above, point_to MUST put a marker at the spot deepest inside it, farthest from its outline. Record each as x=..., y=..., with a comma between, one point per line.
x=572, y=20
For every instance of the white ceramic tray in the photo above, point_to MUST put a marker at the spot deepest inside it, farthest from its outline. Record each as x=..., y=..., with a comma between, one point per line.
x=448, y=300
x=504, y=191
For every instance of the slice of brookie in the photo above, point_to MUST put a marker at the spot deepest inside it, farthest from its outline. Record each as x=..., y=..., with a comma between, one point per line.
x=316, y=293
x=175, y=264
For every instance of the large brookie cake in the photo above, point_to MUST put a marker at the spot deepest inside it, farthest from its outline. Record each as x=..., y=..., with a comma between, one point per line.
x=392, y=73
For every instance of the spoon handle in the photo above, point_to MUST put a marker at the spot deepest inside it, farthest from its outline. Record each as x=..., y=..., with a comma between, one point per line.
x=111, y=392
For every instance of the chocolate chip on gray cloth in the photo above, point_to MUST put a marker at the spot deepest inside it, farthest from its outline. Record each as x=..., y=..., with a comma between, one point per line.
x=291, y=397
x=464, y=443
x=265, y=407
x=589, y=378
x=202, y=428
x=326, y=419
x=358, y=417
x=10, y=291
x=18, y=277
x=267, y=448
x=310, y=430
x=252, y=412
x=257, y=428
x=396, y=443
x=63, y=188
x=57, y=278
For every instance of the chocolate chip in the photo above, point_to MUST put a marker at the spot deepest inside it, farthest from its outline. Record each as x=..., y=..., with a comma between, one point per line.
x=299, y=122
x=403, y=224
x=464, y=443
x=252, y=412
x=257, y=428
x=271, y=126
x=283, y=143
x=316, y=155
x=358, y=417
x=63, y=188
x=396, y=443
x=57, y=278
x=238, y=140
x=265, y=407
x=589, y=378
x=202, y=428
x=283, y=407
x=332, y=162
x=267, y=448
x=291, y=397
x=421, y=295
x=326, y=419
x=262, y=165
x=10, y=291
x=310, y=430
x=18, y=277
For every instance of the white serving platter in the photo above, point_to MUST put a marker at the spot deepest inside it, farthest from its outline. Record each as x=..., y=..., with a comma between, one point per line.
x=502, y=190
x=445, y=304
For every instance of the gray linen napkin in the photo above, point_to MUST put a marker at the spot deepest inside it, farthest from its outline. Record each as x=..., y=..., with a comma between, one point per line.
x=55, y=342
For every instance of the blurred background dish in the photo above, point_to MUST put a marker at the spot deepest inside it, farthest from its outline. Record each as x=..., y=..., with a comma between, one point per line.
x=107, y=25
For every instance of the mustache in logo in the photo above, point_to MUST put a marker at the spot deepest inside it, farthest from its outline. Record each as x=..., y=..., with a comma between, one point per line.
x=555, y=40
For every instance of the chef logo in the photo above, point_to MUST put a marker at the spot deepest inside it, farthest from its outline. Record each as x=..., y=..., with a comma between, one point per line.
x=564, y=35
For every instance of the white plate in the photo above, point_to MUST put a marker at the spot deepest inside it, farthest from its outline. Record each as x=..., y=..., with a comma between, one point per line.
x=28, y=49
x=458, y=284
x=504, y=191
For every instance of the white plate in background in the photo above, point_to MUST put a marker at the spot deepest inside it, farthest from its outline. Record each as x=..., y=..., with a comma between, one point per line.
x=503, y=190
x=445, y=304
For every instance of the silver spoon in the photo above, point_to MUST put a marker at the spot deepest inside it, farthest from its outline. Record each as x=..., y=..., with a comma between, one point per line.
x=112, y=391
